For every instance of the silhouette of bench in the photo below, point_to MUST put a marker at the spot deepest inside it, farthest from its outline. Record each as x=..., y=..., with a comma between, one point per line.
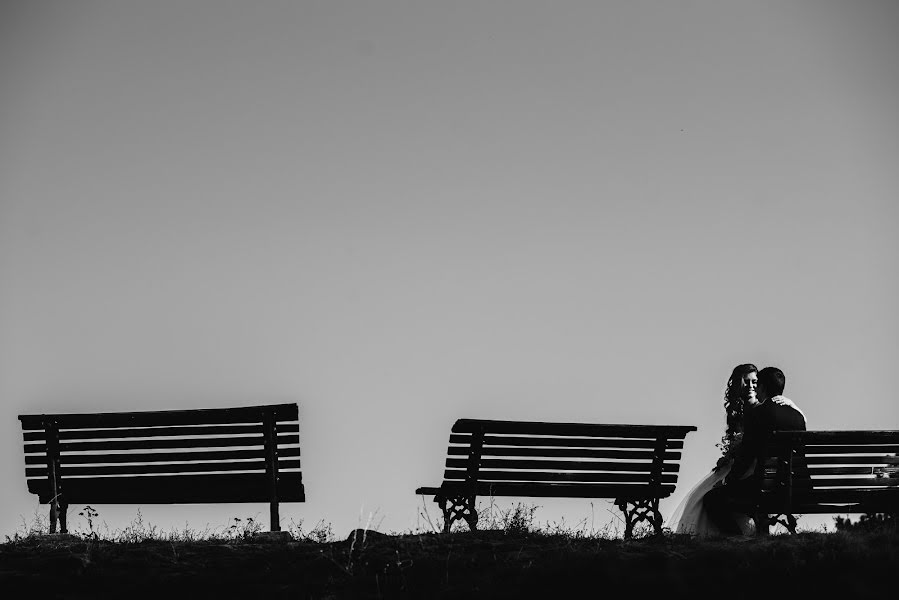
x=636, y=465
x=225, y=455
x=827, y=472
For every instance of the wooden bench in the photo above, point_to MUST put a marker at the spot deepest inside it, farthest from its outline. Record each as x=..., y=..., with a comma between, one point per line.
x=635, y=464
x=827, y=472
x=222, y=455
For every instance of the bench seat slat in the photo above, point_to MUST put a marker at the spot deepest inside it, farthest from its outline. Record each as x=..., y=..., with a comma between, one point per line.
x=573, y=442
x=175, y=489
x=555, y=476
x=140, y=469
x=571, y=429
x=846, y=482
x=564, y=453
x=560, y=465
x=827, y=507
x=563, y=490
x=881, y=497
x=80, y=459
x=161, y=443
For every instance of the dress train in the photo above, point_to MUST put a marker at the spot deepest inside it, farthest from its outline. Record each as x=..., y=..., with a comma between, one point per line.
x=691, y=517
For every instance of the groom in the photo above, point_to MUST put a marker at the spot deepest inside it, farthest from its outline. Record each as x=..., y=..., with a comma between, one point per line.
x=741, y=486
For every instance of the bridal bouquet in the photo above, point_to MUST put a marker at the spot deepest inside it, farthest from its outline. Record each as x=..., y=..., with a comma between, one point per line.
x=728, y=446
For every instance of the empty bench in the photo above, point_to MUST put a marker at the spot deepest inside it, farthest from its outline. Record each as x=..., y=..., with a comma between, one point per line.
x=827, y=472
x=248, y=454
x=636, y=465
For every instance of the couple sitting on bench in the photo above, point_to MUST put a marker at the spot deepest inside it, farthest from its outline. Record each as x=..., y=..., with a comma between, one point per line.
x=725, y=502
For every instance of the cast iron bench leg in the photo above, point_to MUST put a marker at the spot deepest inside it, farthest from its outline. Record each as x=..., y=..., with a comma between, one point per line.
x=788, y=521
x=456, y=508
x=763, y=522
x=635, y=511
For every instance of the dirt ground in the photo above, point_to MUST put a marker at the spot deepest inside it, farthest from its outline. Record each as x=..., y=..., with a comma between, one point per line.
x=463, y=565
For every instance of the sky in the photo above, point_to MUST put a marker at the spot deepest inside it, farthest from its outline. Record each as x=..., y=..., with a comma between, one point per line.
x=397, y=214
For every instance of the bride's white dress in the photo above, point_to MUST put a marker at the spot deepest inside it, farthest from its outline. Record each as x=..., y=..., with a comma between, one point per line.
x=690, y=515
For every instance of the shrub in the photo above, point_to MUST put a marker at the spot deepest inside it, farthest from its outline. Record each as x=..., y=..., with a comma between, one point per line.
x=867, y=522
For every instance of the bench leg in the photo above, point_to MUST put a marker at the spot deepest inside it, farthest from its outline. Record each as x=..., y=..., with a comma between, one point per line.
x=791, y=523
x=274, y=518
x=456, y=508
x=58, y=513
x=635, y=511
x=63, y=513
x=788, y=521
x=762, y=524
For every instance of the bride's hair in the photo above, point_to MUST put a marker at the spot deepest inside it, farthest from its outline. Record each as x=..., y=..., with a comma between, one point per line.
x=733, y=401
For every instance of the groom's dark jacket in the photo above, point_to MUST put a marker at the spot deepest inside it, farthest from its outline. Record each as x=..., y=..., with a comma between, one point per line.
x=759, y=422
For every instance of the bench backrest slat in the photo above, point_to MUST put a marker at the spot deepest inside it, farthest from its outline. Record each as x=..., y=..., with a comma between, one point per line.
x=581, y=442
x=159, y=444
x=182, y=489
x=852, y=449
x=137, y=432
x=194, y=467
x=137, y=457
x=846, y=437
x=572, y=429
x=866, y=470
x=202, y=416
x=876, y=460
x=854, y=459
x=560, y=465
x=585, y=453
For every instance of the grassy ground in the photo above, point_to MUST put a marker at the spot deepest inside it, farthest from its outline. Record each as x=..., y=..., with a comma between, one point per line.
x=513, y=562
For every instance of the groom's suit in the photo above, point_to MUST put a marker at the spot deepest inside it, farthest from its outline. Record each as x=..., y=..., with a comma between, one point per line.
x=741, y=489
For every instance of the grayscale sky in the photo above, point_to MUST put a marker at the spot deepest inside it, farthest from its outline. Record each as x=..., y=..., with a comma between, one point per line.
x=401, y=213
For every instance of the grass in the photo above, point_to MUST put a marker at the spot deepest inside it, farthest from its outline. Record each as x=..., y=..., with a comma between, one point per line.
x=512, y=558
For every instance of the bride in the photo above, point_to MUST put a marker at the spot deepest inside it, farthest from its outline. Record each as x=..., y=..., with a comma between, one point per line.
x=690, y=515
